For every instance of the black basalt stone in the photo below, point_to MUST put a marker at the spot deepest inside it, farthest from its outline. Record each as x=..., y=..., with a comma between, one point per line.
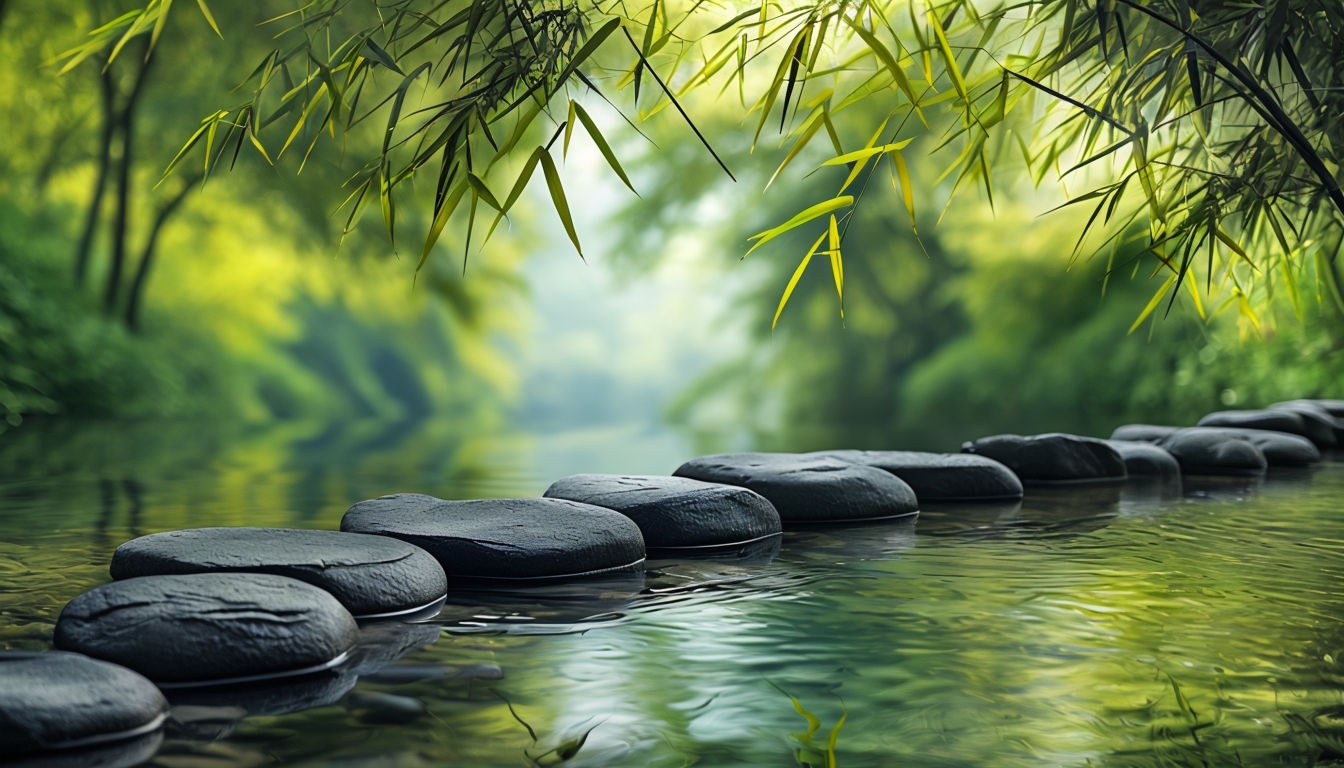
x=1052, y=458
x=506, y=538
x=1143, y=433
x=1209, y=451
x=1325, y=429
x=810, y=489
x=1144, y=458
x=67, y=701
x=372, y=576
x=209, y=628
x=677, y=513
x=1280, y=449
x=1272, y=419
x=941, y=476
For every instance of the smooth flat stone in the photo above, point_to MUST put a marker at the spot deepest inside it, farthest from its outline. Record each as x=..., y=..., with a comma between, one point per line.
x=810, y=489
x=1143, y=433
x=506, y=538
x=1324, y=428
x=1210, y=451
x=209, y=628
x=1281, y=449
x=941, y=476
x=1333, y=407
x=1272, y=419
x=373, y=576
x=677, y=513
x=1052, y=458
x=1144, y=458
x=67, y=701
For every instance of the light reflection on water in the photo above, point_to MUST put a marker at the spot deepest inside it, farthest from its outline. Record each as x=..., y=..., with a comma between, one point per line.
x=1132, y=625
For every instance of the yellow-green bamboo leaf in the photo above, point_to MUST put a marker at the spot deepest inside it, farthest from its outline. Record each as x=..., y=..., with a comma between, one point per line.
x=1192, y=285
x=793, y=283
x=518, y=185
x=482, y=191
x=866, y=152
x=804, y=216
x=557, y=190
x=1153, y=302
x=1233, y=245
x=1247, y=311
x=569, y=129
x=810, y=129
x=953, y=71
x=888, y=60
x=907, y=189
x=164, y=6
x=837, y=265
x=209, y=17
x=450, y=203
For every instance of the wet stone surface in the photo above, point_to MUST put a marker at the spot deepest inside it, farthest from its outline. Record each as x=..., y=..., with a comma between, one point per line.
x=810, y=489
x=677, y=514
x=506, y=538
x=1052, y=458
x=372, y=576
x=1144, y=458
x=67, y=701
x=1280, y=449
x=941, y=476
x=209, y=628
x=1209, y=451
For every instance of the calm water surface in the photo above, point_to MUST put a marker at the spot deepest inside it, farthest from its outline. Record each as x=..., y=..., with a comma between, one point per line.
x=1140, y=625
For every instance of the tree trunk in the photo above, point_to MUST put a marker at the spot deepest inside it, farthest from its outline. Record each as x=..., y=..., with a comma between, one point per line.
x=108, y=90
x=125, y=129
x=137, y=288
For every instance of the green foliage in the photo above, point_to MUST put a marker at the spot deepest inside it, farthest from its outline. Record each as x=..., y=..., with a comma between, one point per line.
x=1211, y=127
x=62, y=357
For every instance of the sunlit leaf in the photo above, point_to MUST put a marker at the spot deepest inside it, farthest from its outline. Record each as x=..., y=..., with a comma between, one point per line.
x=557, y=190
x=1153, y=302
x=793, y=281
x=808, y=214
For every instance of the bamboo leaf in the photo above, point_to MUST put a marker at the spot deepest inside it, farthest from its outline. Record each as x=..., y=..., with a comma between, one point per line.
x=602, y=145
x=557, y=191
x=382, y=56
x=209, y=17
x=907, y=189
x=1153, y=302
x=837, y=265
x=867, y=152
x=793, y=283
x=804, y=216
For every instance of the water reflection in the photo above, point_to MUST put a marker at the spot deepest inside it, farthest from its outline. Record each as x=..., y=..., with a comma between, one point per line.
x=1134, y=624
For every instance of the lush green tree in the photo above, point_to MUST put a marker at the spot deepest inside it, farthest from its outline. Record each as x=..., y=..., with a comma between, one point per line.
x=1209, y=124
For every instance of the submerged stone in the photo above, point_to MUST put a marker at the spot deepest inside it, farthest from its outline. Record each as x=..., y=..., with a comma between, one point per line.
x=1144, y=458
x=941, y=476
x=209, y=628
x=677, y=513
x=372, y=576
x=810, y=489
x=506, y=538
x=67, y=701
x=1052, y=458
x=1210, y=451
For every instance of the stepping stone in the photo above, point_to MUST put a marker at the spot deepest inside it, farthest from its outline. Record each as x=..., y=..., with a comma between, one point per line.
x=1273, y=419
x=66, y=701
x=1324, y=428
x=209, y=628
x=810, y=489
x=941, y=476
x=677, y=515
x=1052, y=458
x=1210, y=451
x=1281, y=449
x=1143, y=458
x=506, y=538
x=1143, y=433
x=374, y=577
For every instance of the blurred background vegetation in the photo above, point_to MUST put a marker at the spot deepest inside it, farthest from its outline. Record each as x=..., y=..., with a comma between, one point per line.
x=252, y=306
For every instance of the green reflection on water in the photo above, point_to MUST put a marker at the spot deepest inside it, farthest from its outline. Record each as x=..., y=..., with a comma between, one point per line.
x=1133, y=626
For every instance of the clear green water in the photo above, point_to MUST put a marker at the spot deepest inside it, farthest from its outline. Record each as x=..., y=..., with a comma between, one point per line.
x=1141, y=626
